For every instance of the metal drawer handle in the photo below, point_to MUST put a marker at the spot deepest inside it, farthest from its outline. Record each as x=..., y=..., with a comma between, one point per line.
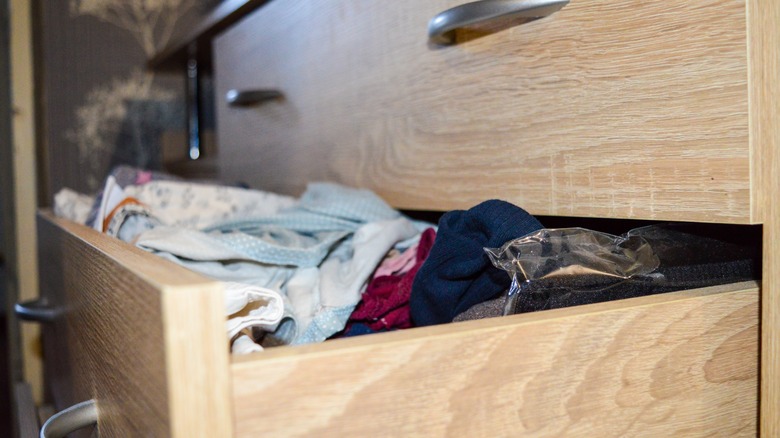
x=251, y=97
x=441, y=28
x=71, y=419
x=38, y=310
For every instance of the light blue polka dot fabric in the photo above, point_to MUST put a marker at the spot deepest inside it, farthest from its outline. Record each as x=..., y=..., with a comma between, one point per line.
x=323, y=207
x=283, y=247
x=320, y=228
x=325, y=323
x=304, y=234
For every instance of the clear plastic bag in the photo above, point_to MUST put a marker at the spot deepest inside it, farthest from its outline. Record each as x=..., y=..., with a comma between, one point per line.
x=553, y=268
x=571, y=251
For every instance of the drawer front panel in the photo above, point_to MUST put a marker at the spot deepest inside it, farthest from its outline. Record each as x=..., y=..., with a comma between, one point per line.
x=606, y=108
x=680, y=364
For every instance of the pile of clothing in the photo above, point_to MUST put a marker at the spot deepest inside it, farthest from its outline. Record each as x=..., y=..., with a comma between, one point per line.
x=334, y=262
x=293, y=269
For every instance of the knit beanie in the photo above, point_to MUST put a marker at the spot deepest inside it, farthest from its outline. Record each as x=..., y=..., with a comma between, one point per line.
x=457, y=273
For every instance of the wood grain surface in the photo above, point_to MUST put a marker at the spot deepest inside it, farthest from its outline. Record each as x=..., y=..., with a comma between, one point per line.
x=142, y=336
x=679, y=364
x=174, y=56
x=627, y=109
x=764, y=44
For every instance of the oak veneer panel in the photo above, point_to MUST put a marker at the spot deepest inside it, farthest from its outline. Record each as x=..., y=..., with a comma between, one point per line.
x=629, y=109
x=144, y=337
x=764, y=43
x=679, y=364
x=174, y=56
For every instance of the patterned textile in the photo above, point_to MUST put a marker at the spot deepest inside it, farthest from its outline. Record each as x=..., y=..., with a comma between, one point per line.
x=385, y=303
x=319, y=253
x=316, y=252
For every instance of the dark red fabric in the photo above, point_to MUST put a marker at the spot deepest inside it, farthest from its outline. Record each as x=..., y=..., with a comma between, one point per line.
x=385, y=303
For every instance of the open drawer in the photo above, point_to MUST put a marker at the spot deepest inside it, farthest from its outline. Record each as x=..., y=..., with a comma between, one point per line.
x=146, y=339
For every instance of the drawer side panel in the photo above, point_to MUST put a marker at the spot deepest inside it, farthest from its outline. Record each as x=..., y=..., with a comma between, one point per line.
x=136, y=333
x=107, y=343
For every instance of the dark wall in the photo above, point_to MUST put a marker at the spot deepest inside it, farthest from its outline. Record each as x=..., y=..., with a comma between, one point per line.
x=7, y=338
x=98, y=104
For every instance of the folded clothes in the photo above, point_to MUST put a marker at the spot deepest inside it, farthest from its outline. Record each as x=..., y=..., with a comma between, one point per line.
x=123, y=176
x=399, y=264
x=333, y=238
x=316, y=252
x=385, y=303
x=197, y=206
x=244, y=344
x=486, y=309
x=552, y=271
x=251, y=307
x=685, y=260
x=458, y=274
x=324, y=308
x=72, y=205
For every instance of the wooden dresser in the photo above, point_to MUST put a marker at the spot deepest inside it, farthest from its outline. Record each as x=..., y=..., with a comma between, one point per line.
x=603, y=109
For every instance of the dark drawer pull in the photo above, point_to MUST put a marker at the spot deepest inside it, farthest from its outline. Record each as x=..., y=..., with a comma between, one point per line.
x=70, y=420
x=38, y=310
x=251, y=97
x=441, y=28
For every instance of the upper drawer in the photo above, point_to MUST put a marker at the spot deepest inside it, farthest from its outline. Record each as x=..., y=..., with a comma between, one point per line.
x=628, y=109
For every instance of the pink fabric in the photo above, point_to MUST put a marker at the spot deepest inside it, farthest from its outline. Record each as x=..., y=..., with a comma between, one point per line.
x=400, y=264
x=385, y=303
x=143, y=177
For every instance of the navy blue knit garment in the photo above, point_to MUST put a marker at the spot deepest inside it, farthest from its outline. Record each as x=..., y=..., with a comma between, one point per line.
x=457, y=273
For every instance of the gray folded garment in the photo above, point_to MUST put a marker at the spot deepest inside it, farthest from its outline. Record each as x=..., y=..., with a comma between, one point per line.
x=486, y=309
x=686, y=261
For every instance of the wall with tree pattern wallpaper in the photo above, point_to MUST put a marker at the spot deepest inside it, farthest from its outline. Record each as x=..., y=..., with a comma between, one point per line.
x=99, y=104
